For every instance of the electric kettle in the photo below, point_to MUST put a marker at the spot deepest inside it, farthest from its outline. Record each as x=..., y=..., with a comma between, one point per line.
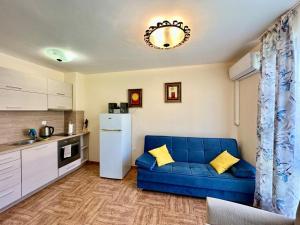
x=46, y=131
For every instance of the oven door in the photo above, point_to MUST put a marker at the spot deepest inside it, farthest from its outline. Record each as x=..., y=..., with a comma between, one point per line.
x=63, y=159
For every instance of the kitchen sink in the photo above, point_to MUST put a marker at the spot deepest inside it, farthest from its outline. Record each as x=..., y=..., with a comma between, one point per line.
x=26, y=142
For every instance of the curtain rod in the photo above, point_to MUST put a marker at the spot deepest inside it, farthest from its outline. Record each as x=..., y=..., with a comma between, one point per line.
x=274, y=24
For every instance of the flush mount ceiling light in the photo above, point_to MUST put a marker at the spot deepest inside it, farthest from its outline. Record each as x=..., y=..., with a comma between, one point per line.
x=59, y=55
x=166, y=35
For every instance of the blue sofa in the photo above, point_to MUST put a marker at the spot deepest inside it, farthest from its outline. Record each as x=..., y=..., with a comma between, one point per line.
x=191, y=173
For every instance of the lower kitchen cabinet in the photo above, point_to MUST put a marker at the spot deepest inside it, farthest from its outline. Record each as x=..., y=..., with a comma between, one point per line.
x=39, y=167
x=10, y=195
x=10, y=178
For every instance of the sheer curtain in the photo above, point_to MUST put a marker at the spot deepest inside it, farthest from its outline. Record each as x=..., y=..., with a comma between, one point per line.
x=278, y=127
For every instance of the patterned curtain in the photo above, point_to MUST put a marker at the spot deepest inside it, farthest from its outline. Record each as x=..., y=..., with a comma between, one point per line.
x=278, y=126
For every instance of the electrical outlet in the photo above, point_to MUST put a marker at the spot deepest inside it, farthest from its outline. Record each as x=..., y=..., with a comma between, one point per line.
x=44, y=122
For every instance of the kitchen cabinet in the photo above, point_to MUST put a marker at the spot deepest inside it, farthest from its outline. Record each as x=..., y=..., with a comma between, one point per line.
x=39, y=167
x=59, y=88
x=21, y=101
x=59, y=102
x=19, y=91
x=10, y=178
x=17, y=81
x=84, y=147
x=60, y=95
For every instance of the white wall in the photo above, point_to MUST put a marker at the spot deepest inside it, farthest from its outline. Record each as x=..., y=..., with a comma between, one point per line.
x=11, y=62
x=206, y=109
x=248, y=118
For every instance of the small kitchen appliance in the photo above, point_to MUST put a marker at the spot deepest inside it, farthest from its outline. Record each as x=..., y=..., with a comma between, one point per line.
x=68, y=152
x=71, y=128
x=111, y=107
x=46, y=131
x=123, y=107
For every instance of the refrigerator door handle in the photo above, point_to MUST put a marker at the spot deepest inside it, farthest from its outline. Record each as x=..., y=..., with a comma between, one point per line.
x=111, y=130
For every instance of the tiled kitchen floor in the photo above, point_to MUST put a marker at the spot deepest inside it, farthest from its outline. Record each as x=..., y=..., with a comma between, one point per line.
x=84, y=198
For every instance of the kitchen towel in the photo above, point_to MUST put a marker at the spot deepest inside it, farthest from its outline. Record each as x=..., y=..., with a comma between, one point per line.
x=67, y=151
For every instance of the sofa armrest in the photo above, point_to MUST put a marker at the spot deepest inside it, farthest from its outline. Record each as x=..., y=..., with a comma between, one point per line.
x=146, y=161
x=243, y=169
x=221, y=212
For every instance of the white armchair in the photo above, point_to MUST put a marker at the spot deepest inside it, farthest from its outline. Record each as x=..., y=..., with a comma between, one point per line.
x=221, y=212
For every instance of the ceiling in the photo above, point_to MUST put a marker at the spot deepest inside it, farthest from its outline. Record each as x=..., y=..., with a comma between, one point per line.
x=107, y=35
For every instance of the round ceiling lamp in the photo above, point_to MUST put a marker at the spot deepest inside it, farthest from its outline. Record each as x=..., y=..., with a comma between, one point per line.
x=166, y=35
x=59, y=55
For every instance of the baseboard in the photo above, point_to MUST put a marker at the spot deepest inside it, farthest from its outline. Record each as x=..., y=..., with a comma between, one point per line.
x=95, y=162
x=92, y=162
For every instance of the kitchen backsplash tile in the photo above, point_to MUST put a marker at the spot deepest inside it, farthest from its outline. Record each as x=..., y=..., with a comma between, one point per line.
x=14, y=125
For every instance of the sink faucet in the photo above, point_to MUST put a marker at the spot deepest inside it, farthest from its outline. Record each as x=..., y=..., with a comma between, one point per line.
x=32, y=133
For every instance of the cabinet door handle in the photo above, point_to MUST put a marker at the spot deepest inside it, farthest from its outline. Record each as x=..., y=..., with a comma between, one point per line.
x=39, y=148
x=112, y=130
x=14, y=87
x=13, y=107
x=60, y=93
x=5, y=194
x=6, y=178
x=7, y=158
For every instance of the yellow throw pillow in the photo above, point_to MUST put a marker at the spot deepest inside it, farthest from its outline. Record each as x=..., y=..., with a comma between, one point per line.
x=162, y=155
x=223, y=162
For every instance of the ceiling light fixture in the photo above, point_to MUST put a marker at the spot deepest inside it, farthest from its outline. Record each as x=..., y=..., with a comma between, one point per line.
x=166, y=35
x=59, y=55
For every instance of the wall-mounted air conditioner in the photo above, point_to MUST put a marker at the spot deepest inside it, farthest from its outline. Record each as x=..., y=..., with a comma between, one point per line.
x=245, y=67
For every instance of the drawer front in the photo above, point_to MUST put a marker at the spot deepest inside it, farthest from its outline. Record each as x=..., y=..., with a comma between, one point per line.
x=10, y=166
x=10, y=195
x=5, y=158
x=10, y=179
x=63, y=170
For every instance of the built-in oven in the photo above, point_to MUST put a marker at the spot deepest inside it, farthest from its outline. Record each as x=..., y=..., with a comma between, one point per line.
x=68, y=151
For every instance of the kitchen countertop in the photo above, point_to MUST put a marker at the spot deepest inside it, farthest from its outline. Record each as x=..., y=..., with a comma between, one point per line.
x=7, y=148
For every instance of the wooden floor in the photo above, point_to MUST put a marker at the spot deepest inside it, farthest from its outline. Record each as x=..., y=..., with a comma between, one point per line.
x=84, y=198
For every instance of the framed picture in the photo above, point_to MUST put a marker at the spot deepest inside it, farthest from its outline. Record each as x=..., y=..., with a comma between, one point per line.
x=135, y=98
x=173, y=92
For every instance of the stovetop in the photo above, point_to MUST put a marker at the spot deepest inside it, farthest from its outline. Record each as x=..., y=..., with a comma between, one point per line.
x=63, y=134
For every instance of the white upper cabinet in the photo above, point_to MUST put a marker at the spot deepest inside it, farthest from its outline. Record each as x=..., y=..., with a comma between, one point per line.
x=11, y=100
x=21, y=92
x=17, y=81
x=59, y=88
x=56, y=102
x=60, y=95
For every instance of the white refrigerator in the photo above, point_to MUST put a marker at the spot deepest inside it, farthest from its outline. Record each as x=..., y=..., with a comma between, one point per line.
x=115, y=145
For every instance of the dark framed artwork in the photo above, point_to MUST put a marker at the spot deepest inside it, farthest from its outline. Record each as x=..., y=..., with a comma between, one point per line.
x=135, y=98
x=173, y=92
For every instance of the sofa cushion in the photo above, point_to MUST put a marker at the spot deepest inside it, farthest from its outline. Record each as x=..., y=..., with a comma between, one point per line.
x=196, y=175
x=223, y=162
x=193, y=150
x=243, y=169
x=162, y=155
x=146, y=161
